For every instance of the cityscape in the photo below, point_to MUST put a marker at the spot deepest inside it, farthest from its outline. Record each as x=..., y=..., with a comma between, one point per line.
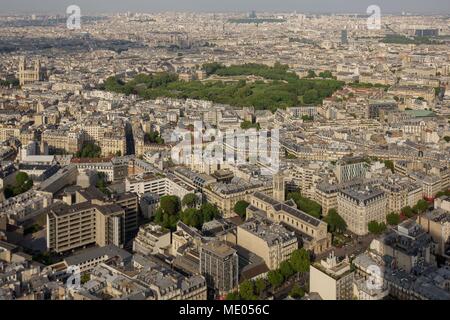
x=230, y=155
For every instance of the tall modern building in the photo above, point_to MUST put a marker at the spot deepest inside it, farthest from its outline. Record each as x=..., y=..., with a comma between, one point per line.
x=344, y=37
x=220, y=266
x=93, y=219
x=350, y=168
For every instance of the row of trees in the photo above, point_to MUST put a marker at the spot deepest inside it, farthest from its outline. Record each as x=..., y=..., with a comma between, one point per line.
x=376, y=227
x=252, y=290
x=170, y=212
x=249, y=125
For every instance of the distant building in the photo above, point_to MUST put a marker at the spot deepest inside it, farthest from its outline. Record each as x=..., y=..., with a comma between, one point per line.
x=28, y=74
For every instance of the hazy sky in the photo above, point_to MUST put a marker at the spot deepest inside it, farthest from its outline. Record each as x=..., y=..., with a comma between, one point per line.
x=337, y=6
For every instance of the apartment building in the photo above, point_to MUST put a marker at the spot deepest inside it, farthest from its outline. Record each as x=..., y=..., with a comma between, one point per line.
x=400, y=193
x=411, y=91
x=360, y=205
x=114, y=169
x=332, y=279
x=83, y=224
x=226, y=195
x=158, y=184
x=127, y=201
x=269, y=240
x=437, y=224
x=151, y=239
x=326, y=196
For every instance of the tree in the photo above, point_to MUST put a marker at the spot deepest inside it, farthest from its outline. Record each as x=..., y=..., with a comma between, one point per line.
x=286, y=269
x=311, y=74
x=297, y=292
x=408, y=212
x=275, y=278
x=170, y=205
x=300, y=260
x=326, y=74
x=89, y=150
x=85, y=278
x=421, y=206
x=335, y=222
x=21, y=178
x=311, y=96
x=209, y=212
x=240, y=208
x=260, y=286
x=189, y=200
x=245, y=125
x=389, y=164
x=23, y=184
x=154, y=137
x=233, y=296
x=393, y=219
x=247, y=290
x=376, y=228
x=192, y=217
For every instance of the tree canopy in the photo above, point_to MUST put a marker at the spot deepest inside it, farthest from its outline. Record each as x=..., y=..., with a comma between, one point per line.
x=309, y=206
x=393, y=219
x=376, y=228
x=23, y=184
x=189, y=200
x=240, y=208
x=282, y=90
x=336, y=224
x=89, y=150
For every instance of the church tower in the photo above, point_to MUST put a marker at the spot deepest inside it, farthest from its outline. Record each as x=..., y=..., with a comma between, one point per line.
x=279, y=187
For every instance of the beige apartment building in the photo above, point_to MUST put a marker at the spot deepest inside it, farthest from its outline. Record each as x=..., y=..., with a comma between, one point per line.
x=331, y=279
x=113, y=144
x=313, y=231
x=410, y=91
x=150, y=239
x=9, y=131
x=269, y=240
x=94, y=218
x=400, y=193
x=326, y=195
x=437, y=224
x=360, y=206
x=83, y=224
